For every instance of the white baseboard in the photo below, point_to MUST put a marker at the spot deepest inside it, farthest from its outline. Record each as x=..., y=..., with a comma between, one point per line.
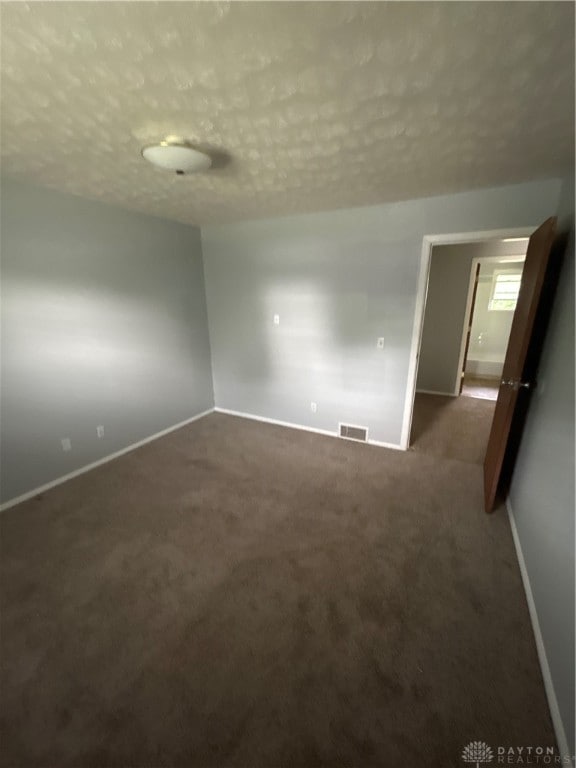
x=105, y=460
x=489, y=368
x=290, y=425
x=563, y=747
x=380, y=444
x=431, y=392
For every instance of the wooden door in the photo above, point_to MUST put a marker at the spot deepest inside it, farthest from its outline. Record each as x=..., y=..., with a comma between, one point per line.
x=513, y=386
x=469, y=326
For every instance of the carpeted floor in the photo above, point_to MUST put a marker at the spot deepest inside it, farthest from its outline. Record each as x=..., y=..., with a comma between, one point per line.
x=241, y=594
x=452, y=427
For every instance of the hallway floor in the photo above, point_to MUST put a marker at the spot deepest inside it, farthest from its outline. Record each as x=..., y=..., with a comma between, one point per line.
x=482, y=387
x=451, y=427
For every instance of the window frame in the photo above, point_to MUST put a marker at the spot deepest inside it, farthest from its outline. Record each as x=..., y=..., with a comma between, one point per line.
x=497, y=273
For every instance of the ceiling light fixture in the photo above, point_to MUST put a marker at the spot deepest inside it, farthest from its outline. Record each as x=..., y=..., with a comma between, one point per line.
x=176, y=156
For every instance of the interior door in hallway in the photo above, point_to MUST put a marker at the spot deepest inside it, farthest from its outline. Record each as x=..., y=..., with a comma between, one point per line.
x=516, y=376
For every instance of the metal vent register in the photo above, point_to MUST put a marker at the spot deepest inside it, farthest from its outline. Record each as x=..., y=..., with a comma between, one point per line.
x=354, y=433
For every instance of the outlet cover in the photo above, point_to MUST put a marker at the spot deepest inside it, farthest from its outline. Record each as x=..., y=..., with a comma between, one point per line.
x=276, y=319
x=313, y=407
x=100, y=431
x=66, y=444
x=380, y=343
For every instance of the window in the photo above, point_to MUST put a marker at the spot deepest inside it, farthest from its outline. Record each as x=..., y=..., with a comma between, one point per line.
x=505, y=290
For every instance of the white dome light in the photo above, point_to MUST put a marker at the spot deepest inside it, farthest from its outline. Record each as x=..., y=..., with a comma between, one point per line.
x=178, y=157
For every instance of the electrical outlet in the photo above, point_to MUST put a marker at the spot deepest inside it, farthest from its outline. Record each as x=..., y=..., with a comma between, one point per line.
x=66, y=444
x=380, y=343
x=313, y=407
x=276, y=319
x=100, y=431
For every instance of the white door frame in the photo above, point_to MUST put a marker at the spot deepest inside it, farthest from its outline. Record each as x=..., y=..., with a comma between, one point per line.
x=428, y=242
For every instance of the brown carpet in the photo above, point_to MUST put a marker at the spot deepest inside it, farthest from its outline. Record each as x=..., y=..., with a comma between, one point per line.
x=240, y=594
x=452, y=427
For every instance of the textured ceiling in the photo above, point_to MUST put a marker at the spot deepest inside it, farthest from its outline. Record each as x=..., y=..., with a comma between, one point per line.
x=306, y=106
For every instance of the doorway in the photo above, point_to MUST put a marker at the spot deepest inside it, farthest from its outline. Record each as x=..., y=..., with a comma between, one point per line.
x=533, y=305
x=471, y=297
x=455, y=354
x=492, y=296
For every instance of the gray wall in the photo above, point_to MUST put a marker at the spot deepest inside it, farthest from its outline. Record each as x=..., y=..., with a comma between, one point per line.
x=339, y=281
x=542, y=492
x=444, y=318
x=448, y=285
x=103, y=323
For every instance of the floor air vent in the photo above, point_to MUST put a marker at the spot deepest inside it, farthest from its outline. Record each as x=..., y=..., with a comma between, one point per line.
x=354, y=433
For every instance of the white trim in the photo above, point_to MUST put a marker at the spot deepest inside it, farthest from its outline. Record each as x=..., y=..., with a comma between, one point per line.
x=510, y=258
x=105, y=460
x=417, y=329
x=379, y=444
x=253, y=417
x=432, y=392
x=488, y=370
x=290, y=425
x=544, y=666
x=480, y=236
x=428, y=241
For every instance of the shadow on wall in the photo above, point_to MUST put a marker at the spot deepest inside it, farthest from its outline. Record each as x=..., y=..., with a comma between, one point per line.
x=82, y=356
x=108, y=332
